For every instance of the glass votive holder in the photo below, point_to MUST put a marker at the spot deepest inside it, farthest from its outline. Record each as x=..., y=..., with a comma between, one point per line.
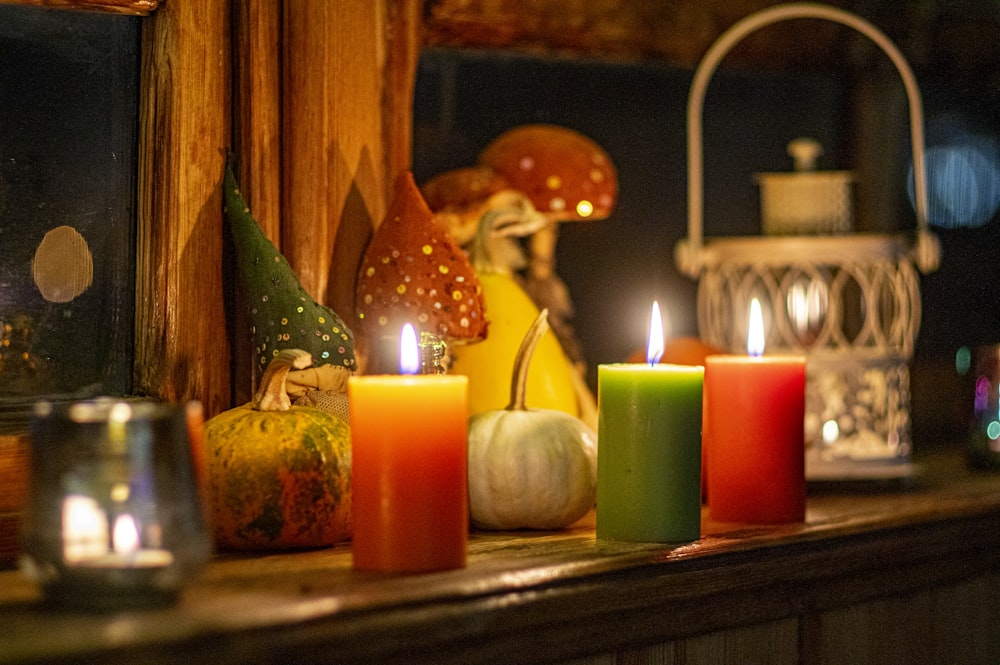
x=113, y=518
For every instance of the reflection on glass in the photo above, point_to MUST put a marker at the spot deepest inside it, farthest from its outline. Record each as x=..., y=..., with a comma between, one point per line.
x=807, y=304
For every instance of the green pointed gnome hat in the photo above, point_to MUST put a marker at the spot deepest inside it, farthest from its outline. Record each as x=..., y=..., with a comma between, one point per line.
x=282, y=314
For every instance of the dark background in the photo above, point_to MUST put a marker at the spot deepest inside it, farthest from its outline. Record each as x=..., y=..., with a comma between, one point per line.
x=637, y=112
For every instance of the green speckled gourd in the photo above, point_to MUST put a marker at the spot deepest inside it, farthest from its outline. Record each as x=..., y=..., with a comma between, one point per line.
x=278, y=475
x=283, y=314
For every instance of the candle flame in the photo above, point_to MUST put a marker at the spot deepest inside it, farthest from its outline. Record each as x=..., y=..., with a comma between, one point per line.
x=755, y=330
x=654, y=349
x=84, y=528
x=125, y=536
x=409, y=351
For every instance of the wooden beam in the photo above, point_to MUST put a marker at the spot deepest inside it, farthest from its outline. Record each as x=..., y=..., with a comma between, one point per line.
x=129, y=7
x=257, y=146
x=347, y=85
x=181, y=349
x=675, y=31
x=257, y=109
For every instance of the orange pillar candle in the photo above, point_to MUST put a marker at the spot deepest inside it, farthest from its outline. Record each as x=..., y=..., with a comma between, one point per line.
x=753, y=433
x=409, y=467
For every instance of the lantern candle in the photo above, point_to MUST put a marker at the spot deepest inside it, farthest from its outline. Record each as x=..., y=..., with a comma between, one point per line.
x=86, y=540
x=113, y=520
x=409, y=468
x=649, y=448
x=754, y=433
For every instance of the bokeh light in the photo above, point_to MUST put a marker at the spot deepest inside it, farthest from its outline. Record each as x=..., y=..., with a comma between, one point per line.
x=963, y=182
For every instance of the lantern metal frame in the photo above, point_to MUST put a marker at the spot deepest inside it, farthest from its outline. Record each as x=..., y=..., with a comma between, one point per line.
x=851, y=303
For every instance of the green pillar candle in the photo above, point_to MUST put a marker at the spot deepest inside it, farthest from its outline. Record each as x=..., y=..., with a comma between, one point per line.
x=649, y=452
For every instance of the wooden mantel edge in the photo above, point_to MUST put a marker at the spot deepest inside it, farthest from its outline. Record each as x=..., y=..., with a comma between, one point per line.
x=627, y=601
x=542, y=596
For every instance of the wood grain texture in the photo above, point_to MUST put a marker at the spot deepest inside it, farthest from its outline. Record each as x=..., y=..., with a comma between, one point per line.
x=131, y=7
x=925, y=556
x=322, y=126
x=15, y=470
x=678, y=32
x=257, y=146
x=257, y=103
x=333, y=131
x=404, y=39
x=953, y=624
x=181, y=347
x=401, y=40
x=953, y=38
x=771, y=643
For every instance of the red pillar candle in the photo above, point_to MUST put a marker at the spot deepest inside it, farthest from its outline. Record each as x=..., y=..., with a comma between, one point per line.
x=753, y=433
x=409, y=469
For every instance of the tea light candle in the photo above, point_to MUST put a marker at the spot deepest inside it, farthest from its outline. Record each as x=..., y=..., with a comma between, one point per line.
x=409, y=469
x=114, y=517
x=754, y=433
x=86, y=540
x=649, y=448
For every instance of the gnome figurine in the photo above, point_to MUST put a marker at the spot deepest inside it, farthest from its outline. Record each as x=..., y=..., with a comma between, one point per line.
x=414, y=272
x=284, y=316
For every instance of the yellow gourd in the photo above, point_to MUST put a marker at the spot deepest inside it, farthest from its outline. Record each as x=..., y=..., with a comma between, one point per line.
x=488, y=363
x=278, y=476
x=530, y=468
x=510, y=311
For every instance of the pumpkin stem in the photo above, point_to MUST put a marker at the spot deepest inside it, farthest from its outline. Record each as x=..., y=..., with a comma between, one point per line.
x=272, y=396
x=519, y=381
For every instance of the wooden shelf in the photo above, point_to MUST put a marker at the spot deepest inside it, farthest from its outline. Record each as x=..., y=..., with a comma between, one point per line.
x=547, y=597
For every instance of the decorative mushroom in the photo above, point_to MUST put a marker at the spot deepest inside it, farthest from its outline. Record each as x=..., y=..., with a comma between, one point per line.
x=568, y=178
x=484, y=215
x=414, y=272
x=459, y=198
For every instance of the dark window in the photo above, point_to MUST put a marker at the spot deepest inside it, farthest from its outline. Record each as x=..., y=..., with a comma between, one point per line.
x=68, y=128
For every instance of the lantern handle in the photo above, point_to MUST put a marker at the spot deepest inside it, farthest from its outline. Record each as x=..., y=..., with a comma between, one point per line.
x=689, y=252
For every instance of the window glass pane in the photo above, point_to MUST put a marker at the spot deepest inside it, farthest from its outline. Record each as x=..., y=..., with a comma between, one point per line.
x=68, y=126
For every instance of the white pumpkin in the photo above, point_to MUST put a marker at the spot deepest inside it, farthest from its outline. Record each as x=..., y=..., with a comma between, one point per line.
x=530, y=468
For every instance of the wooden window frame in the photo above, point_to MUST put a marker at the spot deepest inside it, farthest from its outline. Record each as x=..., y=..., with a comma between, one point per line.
x=127, y=7
x=289, y=87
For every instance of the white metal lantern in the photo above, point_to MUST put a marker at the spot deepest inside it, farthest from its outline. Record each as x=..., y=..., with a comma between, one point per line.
x=851, y=302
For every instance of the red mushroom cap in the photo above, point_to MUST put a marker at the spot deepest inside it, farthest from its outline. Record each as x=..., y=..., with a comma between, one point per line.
x=565, y=174
x=459, y=197
x=414, y=272
x=462, y=188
